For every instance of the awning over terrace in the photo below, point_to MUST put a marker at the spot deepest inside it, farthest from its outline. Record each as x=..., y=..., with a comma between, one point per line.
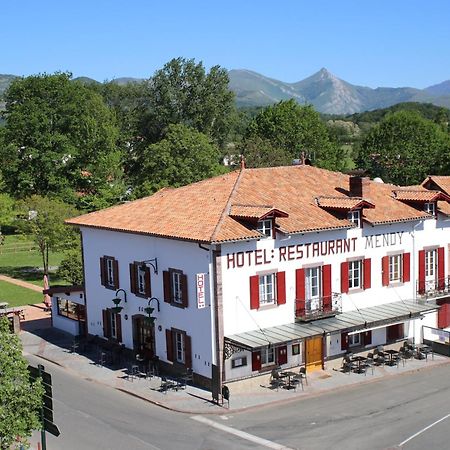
x=363, y=319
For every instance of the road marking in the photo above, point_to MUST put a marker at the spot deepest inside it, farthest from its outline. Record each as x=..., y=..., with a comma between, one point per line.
x=241, y=434
x=423, y=430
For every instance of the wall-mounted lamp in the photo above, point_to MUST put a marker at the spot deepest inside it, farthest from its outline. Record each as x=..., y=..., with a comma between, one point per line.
x=153, y=263
x=116, y=300
x=149, y=310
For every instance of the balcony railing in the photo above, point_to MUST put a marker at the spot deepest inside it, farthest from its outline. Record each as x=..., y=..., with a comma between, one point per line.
x=433, y=289
x=318, y=308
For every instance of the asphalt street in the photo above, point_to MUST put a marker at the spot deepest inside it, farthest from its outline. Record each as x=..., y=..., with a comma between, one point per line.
x=378, y=415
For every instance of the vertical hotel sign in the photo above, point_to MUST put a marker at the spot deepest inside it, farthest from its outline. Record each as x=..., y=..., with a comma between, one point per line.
x=200, y=285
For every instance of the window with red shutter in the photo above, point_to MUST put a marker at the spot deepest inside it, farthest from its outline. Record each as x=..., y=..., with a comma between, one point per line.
x=421, y=272
x=326, y=289
x=300, y=292
x=385, y=270
x=441, y=269
x=281, y=288
x=344, y=277
x=406, y=275
x=254, y=292
x=367, y=273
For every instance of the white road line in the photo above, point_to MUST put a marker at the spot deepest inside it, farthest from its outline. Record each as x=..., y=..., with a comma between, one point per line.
x=423, y=430
x=241, y=434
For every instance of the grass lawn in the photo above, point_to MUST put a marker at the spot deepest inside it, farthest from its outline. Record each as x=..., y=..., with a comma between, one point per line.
x=17, y=295
x=20, y=259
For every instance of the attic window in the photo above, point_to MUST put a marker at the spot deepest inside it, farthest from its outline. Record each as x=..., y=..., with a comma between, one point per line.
x=430, y=208
x=265, y=227
x=355, y=217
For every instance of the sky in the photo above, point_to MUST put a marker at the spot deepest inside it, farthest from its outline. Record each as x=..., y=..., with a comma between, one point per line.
x=370, y=43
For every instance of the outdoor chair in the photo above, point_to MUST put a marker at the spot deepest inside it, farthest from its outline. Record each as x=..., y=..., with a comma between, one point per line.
x=302, y=374
x=347, y=365
x=166, y=385
x=275, y=379
x=296, y=380
x=379, y=358
x=369, y=363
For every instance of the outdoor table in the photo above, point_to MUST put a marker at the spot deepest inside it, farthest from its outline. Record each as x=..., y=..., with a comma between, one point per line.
x=288, y=375
x=425, y=349
x=390, y=353
x=359, y=360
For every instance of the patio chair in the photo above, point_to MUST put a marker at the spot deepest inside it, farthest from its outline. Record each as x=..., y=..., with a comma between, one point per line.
x=296, y=380
x=275, y=379
x=166, y=385
x=302, y=374
x=347, y=365
x=379, y=358
x=369, y=363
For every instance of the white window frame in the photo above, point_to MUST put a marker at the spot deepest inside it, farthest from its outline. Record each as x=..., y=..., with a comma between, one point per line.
x=179, y=347
x=113, y=323
x=175, y=281
x=354, y=216
x=265, y=227
x=395, y=268
x=313, y=282
x=140, y=279
x=430, y=208
x=354, y=340
x=355, y=274
x=267, y=289
x=430, y=264
x=267, y=356
x=110, y=271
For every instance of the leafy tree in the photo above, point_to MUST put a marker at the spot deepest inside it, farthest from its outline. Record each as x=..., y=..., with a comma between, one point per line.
x=183, y=92
x=71, y=267
x=262, y=153
x=20, y=399
x=404, y=148
x=295, y=128
x=6, y=210
x=183, y=156
x=55, y=129
x=43, y=219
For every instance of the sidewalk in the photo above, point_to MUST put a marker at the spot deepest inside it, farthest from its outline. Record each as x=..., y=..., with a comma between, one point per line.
x=55, y=346
x=21, y=283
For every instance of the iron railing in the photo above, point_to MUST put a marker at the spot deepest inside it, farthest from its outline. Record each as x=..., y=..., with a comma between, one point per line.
x=433, y=289
x=317, y=308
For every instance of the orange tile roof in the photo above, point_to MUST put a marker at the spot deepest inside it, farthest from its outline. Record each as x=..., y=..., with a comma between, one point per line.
x=255, y=211
x=442, y=182
x=202, y=212
x=343, y=203
x=422, y=195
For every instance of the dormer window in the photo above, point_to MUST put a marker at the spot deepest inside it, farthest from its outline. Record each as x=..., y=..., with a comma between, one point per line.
x=430, y=208
x=265, y=227
x=354, y=217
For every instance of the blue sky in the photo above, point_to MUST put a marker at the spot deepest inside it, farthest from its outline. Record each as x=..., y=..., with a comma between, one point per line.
x=372, y=43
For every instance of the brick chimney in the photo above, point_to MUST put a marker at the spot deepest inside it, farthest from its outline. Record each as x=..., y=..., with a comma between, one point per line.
x=359, y=186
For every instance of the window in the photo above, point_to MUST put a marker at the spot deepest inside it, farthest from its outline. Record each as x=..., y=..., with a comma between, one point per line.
x=267, y=356
x=68, y=309
x=113, y=325
x=313, y=283
x=355, y=274
x=296, y=349
x=109, y=272
x=140, y=284
x=265, y=227
x=354, y=217
x=267, y=289
x=239, y=362
x=179, y=347
x=354, y=340
x=430, y=264
x=395, y=268
x=430, y=208
x=141, y=279
x=175, y=288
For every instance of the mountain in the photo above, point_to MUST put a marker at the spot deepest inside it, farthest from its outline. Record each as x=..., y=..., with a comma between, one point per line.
x=326, y=92
x=440, y=89
x=5, y=81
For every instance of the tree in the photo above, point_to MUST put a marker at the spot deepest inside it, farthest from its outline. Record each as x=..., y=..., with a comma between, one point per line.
x=295, y=129
x=71, y=267
x=20, y=399
x=183, y=156
x=43, y=219
x=262, y=153
x=55, y=129
x=183, y=92
x=6, y=210
x=404, y=148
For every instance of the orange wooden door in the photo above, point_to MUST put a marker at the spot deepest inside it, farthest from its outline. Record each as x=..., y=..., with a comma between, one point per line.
x=314, y=354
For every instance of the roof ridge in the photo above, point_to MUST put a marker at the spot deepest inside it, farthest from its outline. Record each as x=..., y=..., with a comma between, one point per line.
x=227, y=205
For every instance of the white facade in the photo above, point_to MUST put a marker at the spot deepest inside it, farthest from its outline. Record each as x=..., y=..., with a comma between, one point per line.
x=65, y=313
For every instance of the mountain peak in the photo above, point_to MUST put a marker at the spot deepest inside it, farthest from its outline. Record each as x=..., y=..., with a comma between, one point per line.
x=324, y=74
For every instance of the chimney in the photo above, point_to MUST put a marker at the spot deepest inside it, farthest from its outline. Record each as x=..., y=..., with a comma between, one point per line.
x=359, y=186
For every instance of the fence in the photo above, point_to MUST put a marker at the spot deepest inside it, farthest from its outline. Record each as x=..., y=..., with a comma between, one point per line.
x=17, y=247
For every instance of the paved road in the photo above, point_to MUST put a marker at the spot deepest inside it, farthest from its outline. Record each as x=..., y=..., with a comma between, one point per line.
x=379, y=415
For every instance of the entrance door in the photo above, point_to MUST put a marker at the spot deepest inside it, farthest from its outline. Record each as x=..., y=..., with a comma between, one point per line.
x=143, y=337
x=314, y=354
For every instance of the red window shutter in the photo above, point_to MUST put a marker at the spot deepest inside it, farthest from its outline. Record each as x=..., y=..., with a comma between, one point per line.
x=187, y=352
x=406, y=276
x=169, y=345
x=367, y=273
x=256, y=361
x=254, y=292
x=344, y=277
x=441, y=269
x=344, y=341
x=103, y=271
x=148, y=286
x=116, y=273
x=167, y=287
x=444, y=316
x=421, y=271
x=184, y=291
x=133, y=276
x=326, y=292
x=282, y=355
x=281, y=288
x=385, y=270
x=300, y=292
x=119, y=328
x=106, y=323
x=367, y=337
